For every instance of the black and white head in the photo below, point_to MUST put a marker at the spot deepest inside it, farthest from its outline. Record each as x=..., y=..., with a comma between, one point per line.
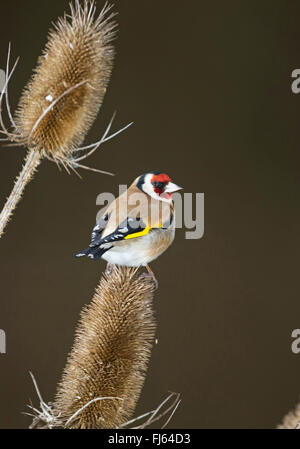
x=157, y=185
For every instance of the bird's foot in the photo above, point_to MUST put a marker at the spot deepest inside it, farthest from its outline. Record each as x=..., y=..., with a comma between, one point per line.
x=151, y=275
x=109, y=269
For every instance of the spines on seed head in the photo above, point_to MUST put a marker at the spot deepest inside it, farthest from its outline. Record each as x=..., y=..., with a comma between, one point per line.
x=62, y=100
x=108, y=363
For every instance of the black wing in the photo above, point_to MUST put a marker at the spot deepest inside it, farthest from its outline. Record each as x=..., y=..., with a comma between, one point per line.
x=128, y=227
x=98, y=229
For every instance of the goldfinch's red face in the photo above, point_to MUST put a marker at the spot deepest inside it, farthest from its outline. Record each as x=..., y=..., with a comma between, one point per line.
x=158, y=186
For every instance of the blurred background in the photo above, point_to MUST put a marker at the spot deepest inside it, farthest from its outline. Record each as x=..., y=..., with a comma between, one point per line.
x=208, y=86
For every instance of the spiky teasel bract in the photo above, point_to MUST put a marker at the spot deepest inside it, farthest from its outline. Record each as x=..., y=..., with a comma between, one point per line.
x=107, y=365
x=61, y=101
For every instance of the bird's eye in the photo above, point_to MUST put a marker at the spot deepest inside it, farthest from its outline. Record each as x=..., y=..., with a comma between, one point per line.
x=158, y=185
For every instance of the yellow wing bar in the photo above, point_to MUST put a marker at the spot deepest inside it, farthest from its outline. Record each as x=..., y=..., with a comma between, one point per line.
x=140, y=233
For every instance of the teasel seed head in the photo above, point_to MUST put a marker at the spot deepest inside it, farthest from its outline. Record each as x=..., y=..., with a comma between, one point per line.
x=106, y=368
x=291, y=420
x=61, y=101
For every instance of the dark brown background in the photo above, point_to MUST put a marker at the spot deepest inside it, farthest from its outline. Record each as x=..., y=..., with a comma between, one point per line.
x=208, y=87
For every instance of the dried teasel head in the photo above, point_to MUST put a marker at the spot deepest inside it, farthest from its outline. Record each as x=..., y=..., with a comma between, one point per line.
x=107, y=365
x=291, y=420
x=61, y=101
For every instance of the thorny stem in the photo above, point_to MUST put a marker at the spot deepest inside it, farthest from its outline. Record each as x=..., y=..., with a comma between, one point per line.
x=32, y=161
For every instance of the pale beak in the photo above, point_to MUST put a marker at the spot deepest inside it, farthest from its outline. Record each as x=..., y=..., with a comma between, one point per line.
x=171, y=187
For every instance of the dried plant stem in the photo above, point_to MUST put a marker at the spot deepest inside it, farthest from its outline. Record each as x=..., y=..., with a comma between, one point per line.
x=32, y=161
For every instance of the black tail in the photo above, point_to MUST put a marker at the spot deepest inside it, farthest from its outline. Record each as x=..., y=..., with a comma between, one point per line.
x=93, y=253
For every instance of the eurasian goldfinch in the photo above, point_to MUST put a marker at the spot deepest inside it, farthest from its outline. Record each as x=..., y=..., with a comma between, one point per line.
x=138, y=226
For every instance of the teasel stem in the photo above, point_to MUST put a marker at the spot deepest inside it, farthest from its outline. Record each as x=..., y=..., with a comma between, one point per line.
x=32, y=161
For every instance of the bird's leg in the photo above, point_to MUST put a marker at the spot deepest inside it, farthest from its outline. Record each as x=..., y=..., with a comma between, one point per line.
x=152, y=275
x=109, y=268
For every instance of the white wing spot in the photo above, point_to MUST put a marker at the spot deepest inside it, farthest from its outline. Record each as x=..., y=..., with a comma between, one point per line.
x=49, y=98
